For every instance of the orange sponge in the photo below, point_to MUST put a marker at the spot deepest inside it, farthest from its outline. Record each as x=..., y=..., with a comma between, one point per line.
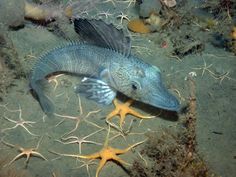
x=138, y=26
x=233, y=33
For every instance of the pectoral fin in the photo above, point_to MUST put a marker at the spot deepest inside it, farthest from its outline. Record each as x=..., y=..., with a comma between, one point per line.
x=96, y=90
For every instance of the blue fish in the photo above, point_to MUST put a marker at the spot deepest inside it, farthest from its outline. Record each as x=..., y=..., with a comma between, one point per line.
x=105, y=62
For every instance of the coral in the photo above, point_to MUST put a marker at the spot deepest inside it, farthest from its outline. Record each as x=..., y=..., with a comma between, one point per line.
x=49, y=13
x=154, y=21
x=13, y=13
x=41, y=12
x=138, y=26
x=169, y=3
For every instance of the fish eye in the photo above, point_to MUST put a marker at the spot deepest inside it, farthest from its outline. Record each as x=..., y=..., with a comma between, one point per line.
x=135, y=86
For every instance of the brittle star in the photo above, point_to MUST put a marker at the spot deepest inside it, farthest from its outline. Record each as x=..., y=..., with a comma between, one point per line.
x=123, y=133
x=111, y=1
x=105, y=13
x=107, y=153
x=21, y=122
x=28, y=152
x=122, y=17
x=86, y=164
x=220, y=77
x=78, y=118
x=75, y=139
x=205, y=68
x=54, y=79
x=128, y=1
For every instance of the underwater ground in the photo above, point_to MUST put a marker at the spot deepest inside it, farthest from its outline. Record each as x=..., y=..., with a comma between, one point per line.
x=193, y=44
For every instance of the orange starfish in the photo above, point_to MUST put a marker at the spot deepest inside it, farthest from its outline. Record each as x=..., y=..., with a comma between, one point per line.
x=108, y=153
x=123, y=109
x=105, y=154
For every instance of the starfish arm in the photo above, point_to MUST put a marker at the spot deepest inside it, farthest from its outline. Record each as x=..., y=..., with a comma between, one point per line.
x=27, y=157
x=69, y=142
x=70, y=155
x=76, y=127
x=92, y=142
x=115, y=102
x=80, y=147
x=92, y=112
x=17, y=157
x=91, y=156
x=5, y=129
x=128, y=103
x=10, y=120
x=28, y=131
x=122, y=117
x=101, y=164
x=29, y=122
x=66, y=155
x=122, y=151
x=112, y=114
x=122, y=162
x=39, y=155
x=137, y=114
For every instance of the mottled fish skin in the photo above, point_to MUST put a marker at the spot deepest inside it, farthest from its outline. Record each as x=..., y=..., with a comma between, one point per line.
x=142, y=82
x=76, y=58
x=107, y=65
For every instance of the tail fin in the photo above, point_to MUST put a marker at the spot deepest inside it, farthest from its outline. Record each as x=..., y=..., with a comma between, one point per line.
x=45, y=103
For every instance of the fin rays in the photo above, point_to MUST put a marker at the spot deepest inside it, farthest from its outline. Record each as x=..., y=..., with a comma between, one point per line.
x=96, y=90
x=104, y=35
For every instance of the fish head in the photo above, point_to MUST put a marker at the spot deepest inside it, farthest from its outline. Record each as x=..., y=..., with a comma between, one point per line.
x=145, y=84
x=153, y=91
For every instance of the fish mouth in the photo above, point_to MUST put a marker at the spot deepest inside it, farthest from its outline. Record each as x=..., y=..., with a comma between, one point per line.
x=165, y=100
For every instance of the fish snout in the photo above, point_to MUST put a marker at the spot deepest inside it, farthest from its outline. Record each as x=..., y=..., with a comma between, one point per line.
x=165, y=100
x=174, y=104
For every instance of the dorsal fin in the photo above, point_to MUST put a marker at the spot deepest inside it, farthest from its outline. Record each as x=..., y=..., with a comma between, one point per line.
x=104, y=35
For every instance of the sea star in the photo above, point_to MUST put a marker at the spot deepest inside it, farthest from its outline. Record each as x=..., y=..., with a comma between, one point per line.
x=123, y=109
x=105, y=154
x=108, y=153
x=28, y=152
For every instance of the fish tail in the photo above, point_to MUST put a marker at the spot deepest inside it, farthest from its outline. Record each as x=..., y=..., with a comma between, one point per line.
x=45, y=103
x=46, y=64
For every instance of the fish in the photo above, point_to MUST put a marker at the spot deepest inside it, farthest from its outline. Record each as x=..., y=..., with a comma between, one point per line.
x=104, y=61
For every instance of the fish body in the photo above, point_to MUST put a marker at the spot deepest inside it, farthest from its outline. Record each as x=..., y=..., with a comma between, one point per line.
x=107, y=66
